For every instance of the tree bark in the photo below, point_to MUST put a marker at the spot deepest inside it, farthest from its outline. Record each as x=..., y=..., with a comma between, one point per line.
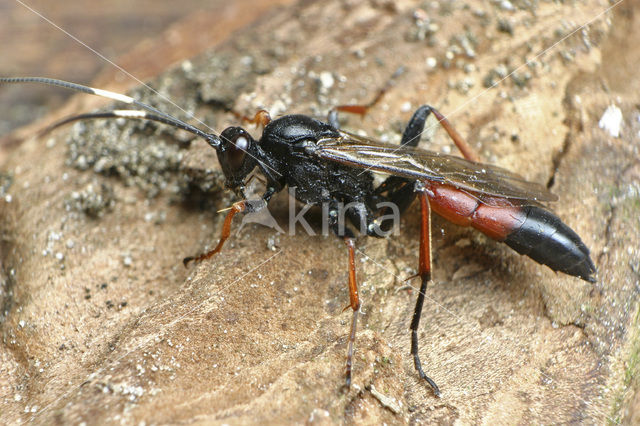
x=102, y=323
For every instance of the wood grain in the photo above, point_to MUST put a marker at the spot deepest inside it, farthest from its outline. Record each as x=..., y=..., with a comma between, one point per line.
x=114, y=329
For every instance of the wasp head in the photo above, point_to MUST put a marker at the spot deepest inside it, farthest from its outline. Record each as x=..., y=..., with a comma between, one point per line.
x=237, y=157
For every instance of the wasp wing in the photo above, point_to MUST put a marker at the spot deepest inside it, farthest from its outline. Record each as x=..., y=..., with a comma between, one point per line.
x=419, y=164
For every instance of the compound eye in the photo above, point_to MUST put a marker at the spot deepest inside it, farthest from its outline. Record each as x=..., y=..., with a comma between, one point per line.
x=235, y=155
x=237, y=151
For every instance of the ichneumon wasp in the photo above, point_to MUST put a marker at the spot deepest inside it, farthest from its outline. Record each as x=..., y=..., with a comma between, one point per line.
x=332, y=166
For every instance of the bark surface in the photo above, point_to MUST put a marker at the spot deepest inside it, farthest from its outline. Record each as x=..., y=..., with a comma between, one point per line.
x=102, y=323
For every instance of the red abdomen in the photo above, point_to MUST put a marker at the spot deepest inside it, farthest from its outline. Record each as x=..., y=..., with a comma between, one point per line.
x=530, y=230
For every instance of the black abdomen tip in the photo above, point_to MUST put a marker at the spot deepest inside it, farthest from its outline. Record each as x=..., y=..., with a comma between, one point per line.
x=547, y=240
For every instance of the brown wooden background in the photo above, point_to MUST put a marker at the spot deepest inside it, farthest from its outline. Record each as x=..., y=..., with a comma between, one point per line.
x=101, y=323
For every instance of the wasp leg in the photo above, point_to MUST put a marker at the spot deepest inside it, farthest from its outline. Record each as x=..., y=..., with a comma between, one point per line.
x=261, y=118
x=354, y=304
x=419, y=118
x=362, y=110
x=373, y=222
x=354, y=300
x=244, y=206
x=362, y=218
x=424, y=272
x=400, y=191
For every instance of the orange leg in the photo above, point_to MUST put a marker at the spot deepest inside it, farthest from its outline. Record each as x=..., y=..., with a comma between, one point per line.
x=361, y=110
x=415, y=128
x=354, y=304
x=466, y=150
x=262, y=118
x=463, y=146
x=238, y=207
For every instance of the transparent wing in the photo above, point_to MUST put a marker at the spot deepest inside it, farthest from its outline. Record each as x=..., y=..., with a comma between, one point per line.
x=414, y=163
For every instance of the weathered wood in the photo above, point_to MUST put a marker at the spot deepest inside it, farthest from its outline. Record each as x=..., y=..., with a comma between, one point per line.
x=115, y=329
